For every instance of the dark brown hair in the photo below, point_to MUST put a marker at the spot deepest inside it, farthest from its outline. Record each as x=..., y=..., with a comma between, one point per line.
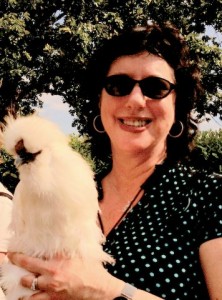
x=165, y=41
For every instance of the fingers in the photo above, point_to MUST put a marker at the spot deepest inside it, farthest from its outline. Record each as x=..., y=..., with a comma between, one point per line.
x=36, y=284
x=40, y=282
x=45, y=280
x=45, y=288
x=34, y=265
x=28, y=263
x=37, y=296
x=30, y=282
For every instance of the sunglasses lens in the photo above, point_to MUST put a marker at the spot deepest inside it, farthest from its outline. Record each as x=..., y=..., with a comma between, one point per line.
x=118, y=85
x=152, y=87
x=155, y=87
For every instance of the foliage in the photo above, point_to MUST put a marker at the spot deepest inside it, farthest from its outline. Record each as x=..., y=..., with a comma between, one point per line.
x=8, y=172
x=45, y=45
x=9, y=175
x=208, y=151
x=207, y=155
x=81, y=145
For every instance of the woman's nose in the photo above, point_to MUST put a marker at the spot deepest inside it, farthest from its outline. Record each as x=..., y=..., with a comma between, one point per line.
x=136, y=97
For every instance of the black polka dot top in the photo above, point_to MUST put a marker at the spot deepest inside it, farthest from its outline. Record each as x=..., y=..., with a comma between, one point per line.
x=156, y=245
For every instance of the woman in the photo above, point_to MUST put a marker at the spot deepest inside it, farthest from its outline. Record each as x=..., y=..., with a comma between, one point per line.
x=162, y=219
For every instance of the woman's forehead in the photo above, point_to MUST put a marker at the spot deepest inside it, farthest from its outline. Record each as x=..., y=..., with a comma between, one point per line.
x=141, y=65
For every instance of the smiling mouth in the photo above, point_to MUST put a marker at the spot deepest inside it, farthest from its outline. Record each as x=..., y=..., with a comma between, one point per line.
x=135, y=123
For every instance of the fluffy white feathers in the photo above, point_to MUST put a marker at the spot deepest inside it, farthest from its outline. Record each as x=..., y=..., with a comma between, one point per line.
x=55, y=203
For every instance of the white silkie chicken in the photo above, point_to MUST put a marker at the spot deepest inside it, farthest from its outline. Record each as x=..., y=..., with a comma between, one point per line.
x=55, y=203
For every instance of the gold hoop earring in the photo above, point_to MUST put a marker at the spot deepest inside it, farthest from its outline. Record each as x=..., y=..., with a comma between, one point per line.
x=174, y=136
x=94, y=124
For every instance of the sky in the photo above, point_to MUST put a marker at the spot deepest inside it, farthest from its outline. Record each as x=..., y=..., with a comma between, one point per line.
x=57, y=111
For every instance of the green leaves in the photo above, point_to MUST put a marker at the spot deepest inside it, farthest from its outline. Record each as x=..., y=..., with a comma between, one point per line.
x=208, y=151
x=8, y=172
x=45, y=45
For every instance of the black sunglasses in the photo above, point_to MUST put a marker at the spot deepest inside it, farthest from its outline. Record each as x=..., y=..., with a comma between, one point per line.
x=152, y=87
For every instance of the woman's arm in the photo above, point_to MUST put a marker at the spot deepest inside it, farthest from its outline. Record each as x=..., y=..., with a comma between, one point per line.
x=64, y=279
x=211, y=261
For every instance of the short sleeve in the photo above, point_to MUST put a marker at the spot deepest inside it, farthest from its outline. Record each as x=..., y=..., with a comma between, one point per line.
x=210, y=197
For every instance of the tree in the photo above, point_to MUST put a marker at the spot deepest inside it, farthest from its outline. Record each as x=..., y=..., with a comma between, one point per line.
x=80, y=145
x=45, y=45
x=208, y=151
x=206, y=156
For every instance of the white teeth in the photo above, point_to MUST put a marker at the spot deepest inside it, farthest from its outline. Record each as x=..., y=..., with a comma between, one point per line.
x=135, y=123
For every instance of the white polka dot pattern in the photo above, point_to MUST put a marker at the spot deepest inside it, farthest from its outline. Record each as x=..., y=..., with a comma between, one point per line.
x=156, y=245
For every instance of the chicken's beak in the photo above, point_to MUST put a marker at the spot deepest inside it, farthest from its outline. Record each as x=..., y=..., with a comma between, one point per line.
x=25, y=157
x=18, y=161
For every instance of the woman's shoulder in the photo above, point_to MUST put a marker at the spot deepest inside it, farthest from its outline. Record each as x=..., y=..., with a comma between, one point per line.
x=184, y=178
x=186, y=169
x=201, y=177
x=180, y=186
x=197, y=181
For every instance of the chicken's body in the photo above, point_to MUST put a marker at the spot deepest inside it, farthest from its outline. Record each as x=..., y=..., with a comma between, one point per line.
x=55, y=203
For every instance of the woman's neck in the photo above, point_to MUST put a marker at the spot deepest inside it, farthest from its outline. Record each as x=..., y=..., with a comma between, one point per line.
x=134, y=168
x=122, y=186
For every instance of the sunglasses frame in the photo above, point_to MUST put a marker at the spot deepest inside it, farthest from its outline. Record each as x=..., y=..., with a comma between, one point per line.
x=132, y=82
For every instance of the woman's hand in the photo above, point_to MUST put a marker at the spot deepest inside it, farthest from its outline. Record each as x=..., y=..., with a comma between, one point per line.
x=64, y=279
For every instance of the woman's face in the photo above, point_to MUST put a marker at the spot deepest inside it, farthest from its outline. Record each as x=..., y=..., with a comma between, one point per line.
x=135, y=122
